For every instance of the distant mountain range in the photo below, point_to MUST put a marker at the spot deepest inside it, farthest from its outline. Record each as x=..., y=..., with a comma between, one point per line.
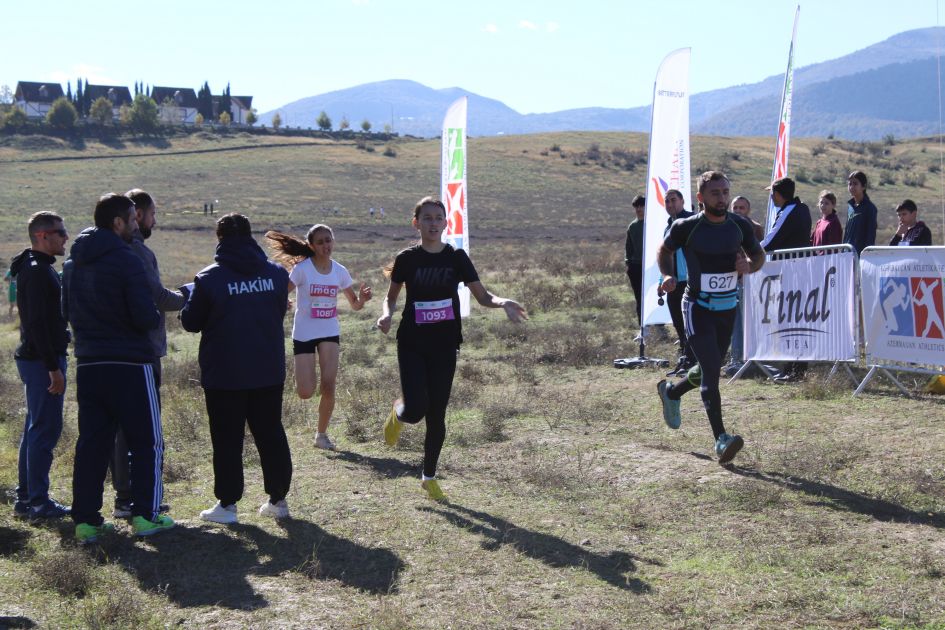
x=887, y=88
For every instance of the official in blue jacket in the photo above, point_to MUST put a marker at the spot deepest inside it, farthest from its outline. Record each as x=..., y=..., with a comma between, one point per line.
x=106, y=300
x=238, y=305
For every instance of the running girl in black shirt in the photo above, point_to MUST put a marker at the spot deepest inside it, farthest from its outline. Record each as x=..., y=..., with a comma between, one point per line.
x=430, y=330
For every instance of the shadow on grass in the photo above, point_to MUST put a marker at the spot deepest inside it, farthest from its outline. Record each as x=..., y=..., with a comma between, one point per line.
x=553, y=551
x=383, y=466
x=836, y=498
x=16, y=622
x=211, y=566
x=12, y=541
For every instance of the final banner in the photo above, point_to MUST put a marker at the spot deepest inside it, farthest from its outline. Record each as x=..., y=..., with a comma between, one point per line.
x=453, y=186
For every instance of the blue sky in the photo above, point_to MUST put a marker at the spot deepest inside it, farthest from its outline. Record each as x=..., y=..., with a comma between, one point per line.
x=534, y=56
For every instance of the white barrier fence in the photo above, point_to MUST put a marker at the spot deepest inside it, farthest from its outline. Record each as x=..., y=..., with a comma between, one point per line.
x=801, y=306
x=903, y=305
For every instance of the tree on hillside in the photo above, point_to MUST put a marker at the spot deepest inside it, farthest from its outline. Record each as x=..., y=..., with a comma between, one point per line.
x=344, y=125
x=323, y=121
x=79, y=96
x=276, y=120
x=143, y=115
x=101, y=110
x=6, y=95
x=251, y=117
x=69, y=91
x=15, y=119
x=226, y=104
x=86, y=100
x=365, y=125
x=205, y=102
x=198, y=119
x=62, y=114
x=225, y=118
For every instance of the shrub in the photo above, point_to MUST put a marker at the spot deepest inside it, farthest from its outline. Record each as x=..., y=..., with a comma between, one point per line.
x=916, y=180
x=62, y=114
x=389, y=151
x=69, y=573
x=818, y=149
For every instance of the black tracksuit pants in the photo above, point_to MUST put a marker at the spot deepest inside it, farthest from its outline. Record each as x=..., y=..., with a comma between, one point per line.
x=114, y=395
x=230, y=411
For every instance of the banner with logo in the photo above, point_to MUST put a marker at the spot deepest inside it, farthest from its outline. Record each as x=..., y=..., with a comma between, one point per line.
x=667, y=167
x=453, y=186
x=780, y=168
x=802, y=309
x=904, y=304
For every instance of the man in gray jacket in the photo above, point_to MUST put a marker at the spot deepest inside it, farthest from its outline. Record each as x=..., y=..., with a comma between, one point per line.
x=166, y=300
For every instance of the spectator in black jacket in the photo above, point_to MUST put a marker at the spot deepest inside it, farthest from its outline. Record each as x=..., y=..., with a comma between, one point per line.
x=792, y=223
x=791, y=229
x=911, y=231
x=860, y=231
x=107, y=301
x=41, y=362
x=238, y=304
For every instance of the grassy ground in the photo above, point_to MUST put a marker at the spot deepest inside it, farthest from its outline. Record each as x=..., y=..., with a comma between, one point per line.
x=572, y=506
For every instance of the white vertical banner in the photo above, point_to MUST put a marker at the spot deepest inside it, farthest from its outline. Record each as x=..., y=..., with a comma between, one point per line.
x=667, y=167
x=802, y=309
x=453, y=186
x=904, y=304
x=780, y=168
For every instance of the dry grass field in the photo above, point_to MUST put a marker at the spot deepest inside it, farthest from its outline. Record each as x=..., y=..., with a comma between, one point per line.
x=571, y=505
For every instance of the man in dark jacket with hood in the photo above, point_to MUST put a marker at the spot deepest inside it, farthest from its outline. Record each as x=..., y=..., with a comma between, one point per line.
x=792, y=223
x=791, y=229
x=107, y=301
x=238, y=304
x=41, y=362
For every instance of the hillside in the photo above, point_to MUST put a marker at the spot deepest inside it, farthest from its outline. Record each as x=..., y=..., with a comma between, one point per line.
x=883, y=76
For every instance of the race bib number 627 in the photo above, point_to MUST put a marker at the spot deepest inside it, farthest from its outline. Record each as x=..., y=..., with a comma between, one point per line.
x=719, y=282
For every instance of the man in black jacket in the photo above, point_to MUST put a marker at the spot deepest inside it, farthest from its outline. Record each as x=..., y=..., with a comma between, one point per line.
x=675, y=206
x=41, y=362
x=107, y=301
x=791, y=229
x=238, y=304
x=792, y=224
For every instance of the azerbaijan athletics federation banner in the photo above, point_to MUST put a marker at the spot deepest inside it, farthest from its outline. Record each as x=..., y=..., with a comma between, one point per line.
x=802, y=309
x=668, y=167
x=453, y=186
x=904, y=304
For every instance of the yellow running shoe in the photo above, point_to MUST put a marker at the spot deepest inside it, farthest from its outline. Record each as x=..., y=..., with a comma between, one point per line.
x=433, y=490
x=392, y=427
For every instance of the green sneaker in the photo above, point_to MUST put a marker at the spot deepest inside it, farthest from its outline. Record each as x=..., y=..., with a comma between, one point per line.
x=670, y=407
x=433, y=490
x=85, y=533
x=727, y=446
x=144, y=527
x=392, y=427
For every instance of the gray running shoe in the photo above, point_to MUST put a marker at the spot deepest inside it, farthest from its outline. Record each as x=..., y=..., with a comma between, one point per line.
x=727, y=446
x=670, y=407
x=322, y=441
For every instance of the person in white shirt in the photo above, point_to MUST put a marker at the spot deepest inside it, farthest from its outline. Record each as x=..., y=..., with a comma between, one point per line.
x=318, y=281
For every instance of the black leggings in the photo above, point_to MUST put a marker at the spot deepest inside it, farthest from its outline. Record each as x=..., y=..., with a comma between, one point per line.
x=674, y=303
x=426, y=378
x=710, y=333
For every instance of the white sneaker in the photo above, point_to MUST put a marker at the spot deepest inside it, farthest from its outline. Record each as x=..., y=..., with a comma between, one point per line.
x=279, y=509
x=322, y=441
x=225, y=514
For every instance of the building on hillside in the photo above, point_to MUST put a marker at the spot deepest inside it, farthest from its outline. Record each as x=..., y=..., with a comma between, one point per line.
x=117, y=95
x=239, y=107
x=35, y=98
x=176, y=105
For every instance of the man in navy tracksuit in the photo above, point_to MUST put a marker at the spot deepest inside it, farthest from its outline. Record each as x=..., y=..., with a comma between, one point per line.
x=238, y=304
x=41, y=362
x=106, y=299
